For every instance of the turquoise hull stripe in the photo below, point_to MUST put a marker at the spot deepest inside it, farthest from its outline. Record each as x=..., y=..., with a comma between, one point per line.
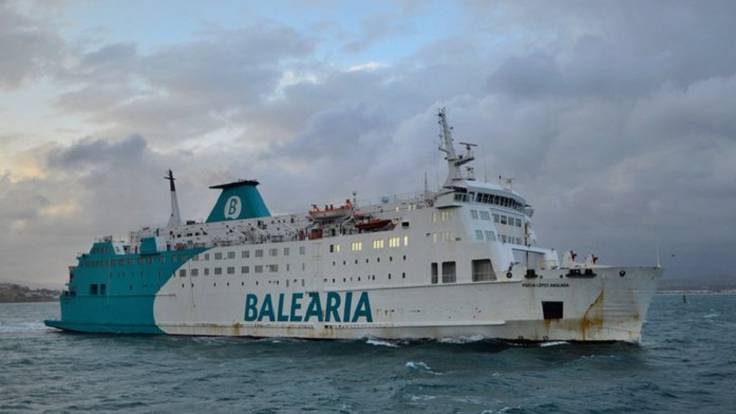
x=125, y=303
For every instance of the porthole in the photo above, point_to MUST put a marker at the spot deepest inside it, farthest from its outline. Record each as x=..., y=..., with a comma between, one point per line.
x=622, y=273
x=509, y=275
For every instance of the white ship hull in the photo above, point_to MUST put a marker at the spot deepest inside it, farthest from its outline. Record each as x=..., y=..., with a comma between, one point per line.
x=607, y=307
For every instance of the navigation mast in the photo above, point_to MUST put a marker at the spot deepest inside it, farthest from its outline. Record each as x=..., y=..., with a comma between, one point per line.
x=174, y=219
x=454, y=161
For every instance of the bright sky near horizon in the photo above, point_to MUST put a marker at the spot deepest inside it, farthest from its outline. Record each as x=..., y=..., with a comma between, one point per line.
x=616, y=118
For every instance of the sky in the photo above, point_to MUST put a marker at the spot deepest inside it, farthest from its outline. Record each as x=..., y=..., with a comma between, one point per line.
x=616, y=119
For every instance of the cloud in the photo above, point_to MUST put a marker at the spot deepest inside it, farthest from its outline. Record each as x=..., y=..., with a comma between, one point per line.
x=28, y=48
x=616, y=120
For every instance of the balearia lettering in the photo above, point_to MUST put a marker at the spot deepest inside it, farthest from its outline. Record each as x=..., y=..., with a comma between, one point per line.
x=308, y=307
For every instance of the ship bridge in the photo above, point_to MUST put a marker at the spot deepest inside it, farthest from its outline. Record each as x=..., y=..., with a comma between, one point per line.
x=471, y=191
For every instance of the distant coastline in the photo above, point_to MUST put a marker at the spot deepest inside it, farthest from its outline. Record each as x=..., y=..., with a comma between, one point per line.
x=14, y=293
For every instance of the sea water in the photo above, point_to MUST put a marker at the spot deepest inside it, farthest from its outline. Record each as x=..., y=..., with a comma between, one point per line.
x=685, y=363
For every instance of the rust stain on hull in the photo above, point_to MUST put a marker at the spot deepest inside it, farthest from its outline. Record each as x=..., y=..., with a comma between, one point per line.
x=593, y=316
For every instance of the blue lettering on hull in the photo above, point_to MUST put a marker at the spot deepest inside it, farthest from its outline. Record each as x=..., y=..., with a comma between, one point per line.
x=338, y=308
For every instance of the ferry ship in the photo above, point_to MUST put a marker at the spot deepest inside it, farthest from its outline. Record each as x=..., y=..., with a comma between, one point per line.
x=462, y=261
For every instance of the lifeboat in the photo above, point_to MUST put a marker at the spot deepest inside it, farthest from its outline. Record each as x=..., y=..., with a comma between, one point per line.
x=331, y=212
x=374, y=224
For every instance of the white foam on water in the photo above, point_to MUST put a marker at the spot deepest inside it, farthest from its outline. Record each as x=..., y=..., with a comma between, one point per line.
x=461, y=339
x=418, y=365
x=422, y=397
x=553, y=343
x=23, y=327
x=712, y=315
x=378, y=342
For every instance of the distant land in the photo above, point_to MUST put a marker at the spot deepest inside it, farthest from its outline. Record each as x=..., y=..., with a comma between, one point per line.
x=11, y=292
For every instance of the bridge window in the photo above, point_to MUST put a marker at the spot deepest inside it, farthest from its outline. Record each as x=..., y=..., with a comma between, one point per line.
x=483, y=270
x=394, y=242
x=357, y=246
x=434, y=273
x=484, y=215
x=518, y=222
x=479, y=234
x=218, y=270
x=103, y=289
x=334, y=248
x=259, y=269
x=93, y=289
x=245, y=254
x=503, y=219
x=259, y=253
x=406, y=241
x=194, y=272
x=474, y=214
x=231, y=270
x=490, y=236
x=273, y=252
x=230, y=255
x=206, y=271
x=286, y=251
x=378, y=244
x=218, y=256
x=273, y=268
x=302, y=250
x=448, y=272
x=244, y=270
x=206, y=256
x=182, y=272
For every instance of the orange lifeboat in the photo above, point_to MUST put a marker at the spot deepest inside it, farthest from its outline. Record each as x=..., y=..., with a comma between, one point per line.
x=331, y=212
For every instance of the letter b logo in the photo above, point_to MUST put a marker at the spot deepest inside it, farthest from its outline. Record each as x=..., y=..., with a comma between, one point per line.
x=232, y=207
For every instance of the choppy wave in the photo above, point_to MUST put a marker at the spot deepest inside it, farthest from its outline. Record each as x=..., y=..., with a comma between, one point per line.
x=379, y=342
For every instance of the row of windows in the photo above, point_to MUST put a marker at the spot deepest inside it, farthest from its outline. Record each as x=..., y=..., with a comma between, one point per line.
x=444, y=236
x=442, y=216
x=245, y=254
x=377, y=244
x=497, y=218
x=486, y=198
x=489, y=235
x=358, y=278
x=378, y=260
x=230, y=270
x=287, y=282
x=131, y=261
x=482, y=270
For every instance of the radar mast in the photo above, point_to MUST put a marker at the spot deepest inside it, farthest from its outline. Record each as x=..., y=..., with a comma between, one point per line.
x=454, y=161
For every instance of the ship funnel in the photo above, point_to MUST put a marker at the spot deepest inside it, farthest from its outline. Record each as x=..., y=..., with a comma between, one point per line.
x=238, y=200
x=174, y=219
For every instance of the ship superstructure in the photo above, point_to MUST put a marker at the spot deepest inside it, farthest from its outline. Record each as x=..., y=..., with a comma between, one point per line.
x=459, y=261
